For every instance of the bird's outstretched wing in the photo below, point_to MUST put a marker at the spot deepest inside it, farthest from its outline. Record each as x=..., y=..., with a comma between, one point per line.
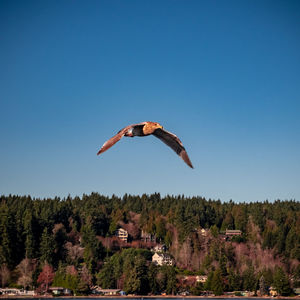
x=114, y=139
x=173, y=142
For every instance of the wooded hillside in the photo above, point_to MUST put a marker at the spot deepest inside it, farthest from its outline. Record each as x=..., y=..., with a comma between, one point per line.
x=75, y=238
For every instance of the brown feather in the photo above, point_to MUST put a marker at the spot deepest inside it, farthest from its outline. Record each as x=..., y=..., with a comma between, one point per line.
x=171, y=140
x=185, y=157
x=109, y=143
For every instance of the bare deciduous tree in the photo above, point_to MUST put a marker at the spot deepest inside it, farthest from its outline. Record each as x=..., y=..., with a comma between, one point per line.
x=4, y=275
x=26, y=269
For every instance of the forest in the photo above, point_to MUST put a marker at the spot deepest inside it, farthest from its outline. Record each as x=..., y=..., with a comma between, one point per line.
x=71, y=242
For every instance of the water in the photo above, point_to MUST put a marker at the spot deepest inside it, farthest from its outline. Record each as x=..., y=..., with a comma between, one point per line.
x=141, y=298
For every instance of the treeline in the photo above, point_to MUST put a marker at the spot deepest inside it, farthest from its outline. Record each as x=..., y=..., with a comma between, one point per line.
x=75, y=237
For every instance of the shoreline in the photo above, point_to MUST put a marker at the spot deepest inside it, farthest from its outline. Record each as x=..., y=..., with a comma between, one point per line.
x=143, y=297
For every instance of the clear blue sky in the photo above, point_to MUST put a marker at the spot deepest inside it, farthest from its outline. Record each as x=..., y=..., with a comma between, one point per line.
x=222, y=75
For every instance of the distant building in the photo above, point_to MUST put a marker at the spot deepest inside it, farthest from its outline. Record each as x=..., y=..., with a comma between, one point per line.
x=122, y=234
x=160, y=248
x=109, y=292
x=10, y=291
x=97, y=290
x=194, y=278
x=204, y=232
x=201, y=278
x=16, y=292
x=57, y=291
x=273, y=292
x=231, y=233
x=147, y=237
x=297, y=291
x=161, y=259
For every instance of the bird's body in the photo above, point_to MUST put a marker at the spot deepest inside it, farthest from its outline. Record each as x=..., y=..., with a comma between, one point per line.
x=147, y=128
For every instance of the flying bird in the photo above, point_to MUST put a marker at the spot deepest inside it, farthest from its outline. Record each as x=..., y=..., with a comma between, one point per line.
x=147, y=128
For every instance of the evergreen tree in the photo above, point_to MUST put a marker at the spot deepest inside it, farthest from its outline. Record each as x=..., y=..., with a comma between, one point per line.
x=197, y=289
x=208, y=282
x=214, y=231
x=161, y=229
x=152, y=274
x=28, y=232
x=60, y=276
x=93, y=249
x=234, y=281
x=171, y=280
x=47, y=247
x=60, y=237
x=5, y=235
x=281, y=282
x=136, y=278
x=249, y=279
x=106, y=278
x=217, y=283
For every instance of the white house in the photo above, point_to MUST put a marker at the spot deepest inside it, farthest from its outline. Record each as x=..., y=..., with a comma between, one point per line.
x=204, y=232
x=160, y=248
x=162, y=259
x=122, y=234
x=201, y=278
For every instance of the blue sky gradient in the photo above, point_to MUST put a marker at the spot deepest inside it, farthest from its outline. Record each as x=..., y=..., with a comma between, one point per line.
x=222, y=75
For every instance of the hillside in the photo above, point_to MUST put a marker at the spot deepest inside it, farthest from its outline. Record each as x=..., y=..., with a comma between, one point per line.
x=75, y=238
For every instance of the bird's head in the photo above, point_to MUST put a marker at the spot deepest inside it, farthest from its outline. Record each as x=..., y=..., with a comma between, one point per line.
x=150, y=127
x=157, y=125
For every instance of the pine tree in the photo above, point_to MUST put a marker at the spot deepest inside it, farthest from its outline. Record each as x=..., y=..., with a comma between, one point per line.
x=152, y=274
x=249, y=279
x=136, y=279
x=217, y=283
x=281, y=282
x=47, y=247
x=5, y=235
x=234, y=280
x=208, y=282
x=171, y=281
x=29, y=239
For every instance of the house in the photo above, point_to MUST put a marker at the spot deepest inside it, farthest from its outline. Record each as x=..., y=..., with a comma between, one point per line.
x=122, y=234
x=231, y=233
x=194, y=278
x=273, y=292
x=57, y=291
x=160, y=248
x=204, y=232
x=16, y=292
x=147, y=237
x=10, y=291
x=109, y=292
x=162, y=259
x=297, y=291
x=27, y=293
x=96, y=290
x=201, y=278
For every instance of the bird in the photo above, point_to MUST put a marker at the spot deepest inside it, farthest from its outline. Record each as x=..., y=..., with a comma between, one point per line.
x=145, y=129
